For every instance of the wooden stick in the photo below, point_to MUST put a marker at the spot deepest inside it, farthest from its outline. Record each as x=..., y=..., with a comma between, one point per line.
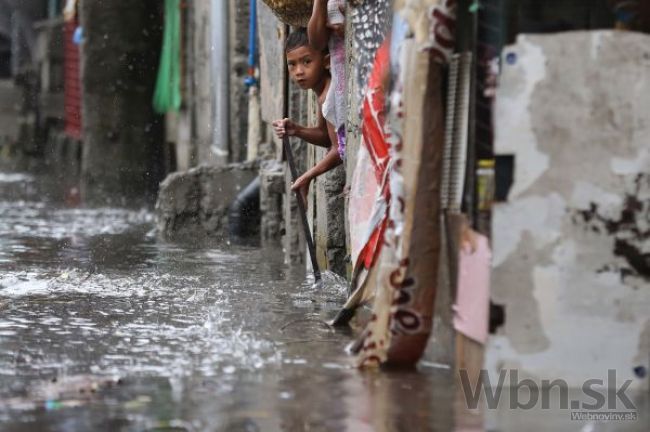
x=302, y=209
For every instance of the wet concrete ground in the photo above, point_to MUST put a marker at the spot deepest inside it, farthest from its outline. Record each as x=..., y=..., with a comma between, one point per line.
x=103, y=327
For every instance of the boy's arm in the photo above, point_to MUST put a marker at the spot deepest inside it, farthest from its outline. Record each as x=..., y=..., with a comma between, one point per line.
x=318, y=135
x=315, y=135
x=317, y=29
x=331, y=160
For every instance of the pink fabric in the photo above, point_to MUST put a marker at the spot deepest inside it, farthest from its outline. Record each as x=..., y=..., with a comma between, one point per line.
x=473, y=295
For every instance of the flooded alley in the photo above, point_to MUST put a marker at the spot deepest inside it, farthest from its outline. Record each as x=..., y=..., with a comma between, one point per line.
x=104, y=327
x=470, y=178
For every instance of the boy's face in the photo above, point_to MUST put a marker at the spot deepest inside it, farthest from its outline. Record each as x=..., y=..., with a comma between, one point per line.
x=307, y=67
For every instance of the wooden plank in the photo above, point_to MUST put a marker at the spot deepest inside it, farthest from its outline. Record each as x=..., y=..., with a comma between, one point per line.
x=420, y=166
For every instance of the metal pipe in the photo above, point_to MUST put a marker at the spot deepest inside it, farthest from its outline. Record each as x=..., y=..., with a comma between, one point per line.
x=244, y=212
x=220, y=30
x=254, y=135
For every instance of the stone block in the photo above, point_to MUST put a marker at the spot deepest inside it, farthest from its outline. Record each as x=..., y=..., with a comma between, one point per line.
x=195, y=203
x=272, y=188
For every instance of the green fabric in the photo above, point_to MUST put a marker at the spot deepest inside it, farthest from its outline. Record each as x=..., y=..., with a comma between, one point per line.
x=167, y=96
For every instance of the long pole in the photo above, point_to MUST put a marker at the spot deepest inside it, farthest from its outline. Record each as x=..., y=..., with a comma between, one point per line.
x=302, y=209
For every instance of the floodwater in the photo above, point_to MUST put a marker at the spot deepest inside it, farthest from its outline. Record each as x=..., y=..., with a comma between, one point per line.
x=104, y=327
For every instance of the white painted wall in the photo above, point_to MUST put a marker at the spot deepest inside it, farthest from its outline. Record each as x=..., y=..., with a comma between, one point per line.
x=574, y=110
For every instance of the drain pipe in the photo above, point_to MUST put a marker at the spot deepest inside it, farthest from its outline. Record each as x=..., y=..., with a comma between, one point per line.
x=220, y=32
x=244, y=212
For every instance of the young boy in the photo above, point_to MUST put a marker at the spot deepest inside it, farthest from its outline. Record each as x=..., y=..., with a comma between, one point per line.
x=309, y=69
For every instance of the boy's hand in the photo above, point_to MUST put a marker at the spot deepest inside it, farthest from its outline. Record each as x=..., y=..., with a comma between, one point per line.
x=284, y=127
x=302, y=185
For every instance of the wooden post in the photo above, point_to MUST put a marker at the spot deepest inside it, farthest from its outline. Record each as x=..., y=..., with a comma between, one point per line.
x=421, y=167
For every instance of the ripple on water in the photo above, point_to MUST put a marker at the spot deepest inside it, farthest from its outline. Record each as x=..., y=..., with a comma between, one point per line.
x=15, y=178
x=59, y=223
x=90, y=291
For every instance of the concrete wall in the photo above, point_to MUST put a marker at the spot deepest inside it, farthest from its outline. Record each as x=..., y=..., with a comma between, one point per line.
x=327, y=206
x=239, y=22
x=274, y=205
x=571, y=243
x=10, y=100
x=273, y=73
x=194, y=205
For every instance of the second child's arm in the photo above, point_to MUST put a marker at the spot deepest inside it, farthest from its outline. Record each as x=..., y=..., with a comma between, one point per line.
x=317, y=29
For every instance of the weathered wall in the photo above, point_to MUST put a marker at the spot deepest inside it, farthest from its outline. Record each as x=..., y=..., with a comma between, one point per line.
x=327, y=206
x=271, y=191
x=193, y=205
x=10, y=98
x=271, y=36
x=273, y=73
x=571, y=243
x=239, y=21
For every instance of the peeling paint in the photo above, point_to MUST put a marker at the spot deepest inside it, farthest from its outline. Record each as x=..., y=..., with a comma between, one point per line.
x=630, y=228
x=624, y=166
x=596, y=44
x=539, y=216
x=512, y=106
x=585, y=194
x=516, y=287
x=572, y=241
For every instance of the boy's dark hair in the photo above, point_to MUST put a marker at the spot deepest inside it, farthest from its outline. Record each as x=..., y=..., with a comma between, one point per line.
x=296, y=39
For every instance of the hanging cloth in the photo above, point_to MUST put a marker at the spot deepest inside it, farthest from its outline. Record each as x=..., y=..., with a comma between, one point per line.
x=167, y=96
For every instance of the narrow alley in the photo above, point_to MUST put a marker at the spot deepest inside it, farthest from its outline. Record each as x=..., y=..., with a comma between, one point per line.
x=324, y=215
